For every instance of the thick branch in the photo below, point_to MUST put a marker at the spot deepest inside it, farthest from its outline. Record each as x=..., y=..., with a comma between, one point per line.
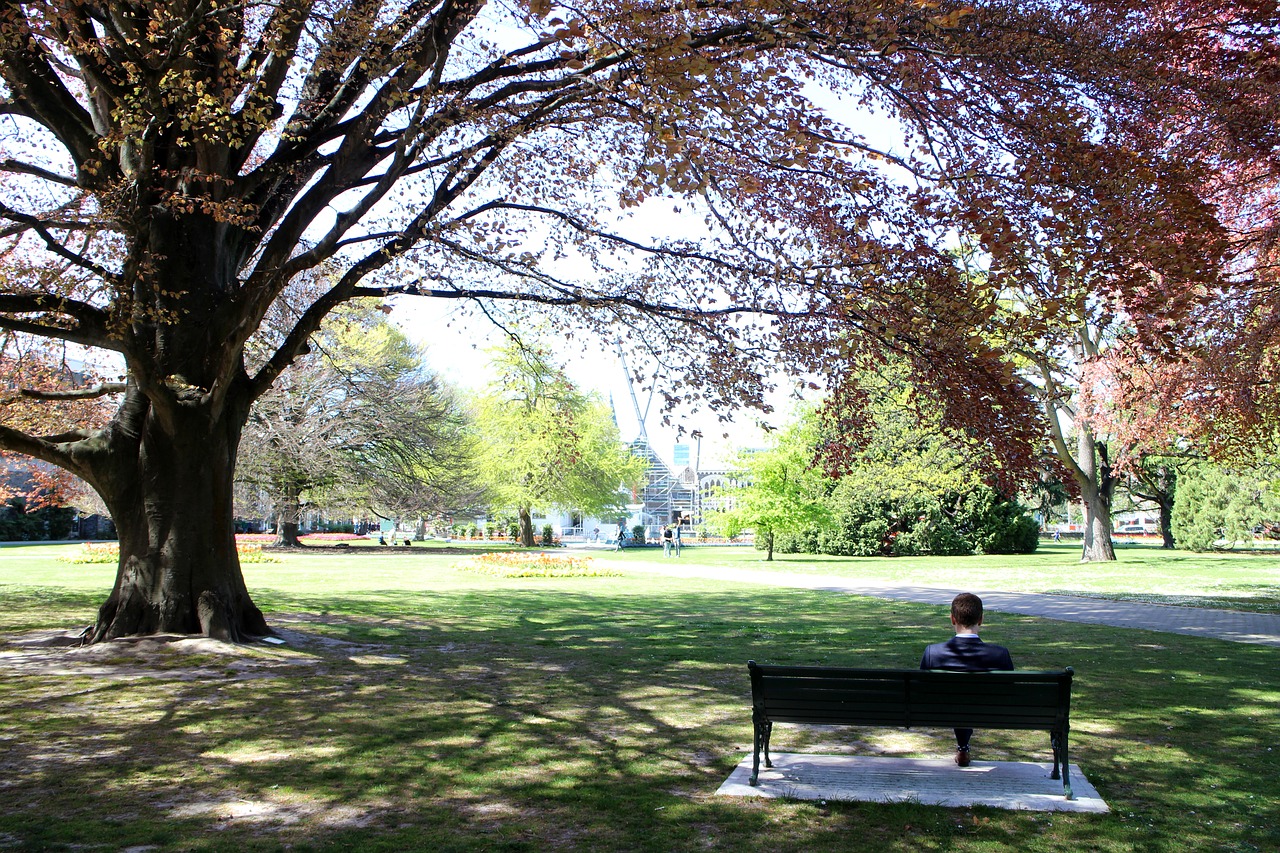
x=90, y=328
x=102, y=389
x=53, y=449
x=55, y=246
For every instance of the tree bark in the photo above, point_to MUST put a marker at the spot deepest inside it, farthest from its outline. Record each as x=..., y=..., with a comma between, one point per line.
x=1097, y=486
x=1166, y=525
x=288, y=512
x=1159, y=484
x=526, y=527
x=168, y=486
x=768, y=547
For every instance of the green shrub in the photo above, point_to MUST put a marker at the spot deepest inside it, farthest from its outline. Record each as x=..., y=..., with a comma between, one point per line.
x=805, y=541
x=19, y=525
x=868, y=525
x=996, y=525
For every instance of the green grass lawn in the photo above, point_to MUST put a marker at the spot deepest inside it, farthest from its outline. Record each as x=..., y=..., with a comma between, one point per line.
x=1245, y=580
x=419, y=707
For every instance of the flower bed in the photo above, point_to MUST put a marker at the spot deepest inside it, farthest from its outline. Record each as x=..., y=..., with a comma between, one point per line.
x=511, y=565
x=95, y=552
x=109, y=552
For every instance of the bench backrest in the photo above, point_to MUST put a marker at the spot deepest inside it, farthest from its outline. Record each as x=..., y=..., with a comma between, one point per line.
x=912, y=697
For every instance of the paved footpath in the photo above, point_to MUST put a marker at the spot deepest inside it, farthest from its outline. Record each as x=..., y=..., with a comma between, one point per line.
x=1260, y=628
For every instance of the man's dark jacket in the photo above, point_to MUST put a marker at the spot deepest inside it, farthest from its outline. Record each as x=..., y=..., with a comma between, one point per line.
x=966, y=654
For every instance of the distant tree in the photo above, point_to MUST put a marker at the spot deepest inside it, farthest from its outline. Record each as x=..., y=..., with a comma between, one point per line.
x=1046, y=494
x=27, y=363
x=18, y=522
x=780, y=490
x=1155, y=479
x=544, y=443
x=1215, y=508
x=358, y=423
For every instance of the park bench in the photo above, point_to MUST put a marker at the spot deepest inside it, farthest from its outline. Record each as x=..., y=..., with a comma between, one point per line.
x=914, y=698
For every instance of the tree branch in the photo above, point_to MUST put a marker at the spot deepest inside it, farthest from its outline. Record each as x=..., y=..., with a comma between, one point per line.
x=55, y=246
x=102, y=389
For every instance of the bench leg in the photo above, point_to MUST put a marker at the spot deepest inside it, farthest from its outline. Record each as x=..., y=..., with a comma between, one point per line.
x=1059, y=741
x=1066, y=771
x=755, y=756
x=763, y=728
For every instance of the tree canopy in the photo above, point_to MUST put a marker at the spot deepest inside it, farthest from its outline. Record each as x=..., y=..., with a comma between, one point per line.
x=171, y=172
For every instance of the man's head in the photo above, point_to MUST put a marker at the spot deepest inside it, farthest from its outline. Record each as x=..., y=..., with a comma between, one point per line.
x=966, y=610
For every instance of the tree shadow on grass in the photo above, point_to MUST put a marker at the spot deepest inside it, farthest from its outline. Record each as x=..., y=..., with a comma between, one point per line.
x=559, y=719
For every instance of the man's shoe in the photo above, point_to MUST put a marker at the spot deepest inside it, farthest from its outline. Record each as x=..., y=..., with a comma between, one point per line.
x=962, y=757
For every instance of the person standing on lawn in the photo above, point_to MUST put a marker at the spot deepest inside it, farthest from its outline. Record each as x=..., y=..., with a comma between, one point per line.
x=966, y=652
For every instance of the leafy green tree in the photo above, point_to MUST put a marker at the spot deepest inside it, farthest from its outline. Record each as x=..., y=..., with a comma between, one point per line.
x=544, y=443
x=1216, y=507
x=358, y=423
x=782, y=491
x=915, y=486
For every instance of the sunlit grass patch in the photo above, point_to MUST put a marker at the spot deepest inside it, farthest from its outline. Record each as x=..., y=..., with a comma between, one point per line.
x=525, y=565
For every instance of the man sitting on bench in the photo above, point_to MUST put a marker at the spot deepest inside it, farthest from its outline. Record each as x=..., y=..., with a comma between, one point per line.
x=965, y=652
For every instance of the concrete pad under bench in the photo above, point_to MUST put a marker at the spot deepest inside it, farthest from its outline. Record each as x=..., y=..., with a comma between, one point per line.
x=930, y=781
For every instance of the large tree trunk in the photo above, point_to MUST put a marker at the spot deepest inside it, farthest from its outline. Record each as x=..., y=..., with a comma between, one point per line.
x=169, y=488
x=526, y=527
x=768, y=546
x=1097, y=527
x=1158, y=483
x=1097, y=486
x=1166, y=525
x=288, y=512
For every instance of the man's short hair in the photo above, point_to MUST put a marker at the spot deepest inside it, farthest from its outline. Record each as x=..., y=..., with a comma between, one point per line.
x=966, y=609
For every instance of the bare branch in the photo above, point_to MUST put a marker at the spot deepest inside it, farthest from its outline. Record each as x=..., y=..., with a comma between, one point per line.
x=102, y=389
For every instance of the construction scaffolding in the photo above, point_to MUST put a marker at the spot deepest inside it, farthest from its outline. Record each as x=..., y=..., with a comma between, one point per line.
x=667, y=497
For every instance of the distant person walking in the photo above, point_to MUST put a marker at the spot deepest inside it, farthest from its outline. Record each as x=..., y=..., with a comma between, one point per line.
x=667, y=539
x=676, y=539
x=622, y=535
